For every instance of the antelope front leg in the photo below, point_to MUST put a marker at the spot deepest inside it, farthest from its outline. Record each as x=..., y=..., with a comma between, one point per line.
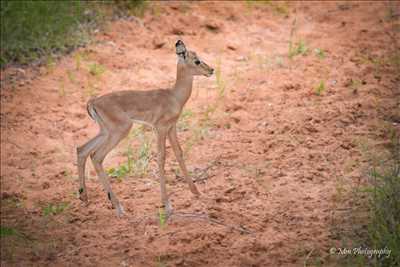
x=161, y=139
x=173, y=139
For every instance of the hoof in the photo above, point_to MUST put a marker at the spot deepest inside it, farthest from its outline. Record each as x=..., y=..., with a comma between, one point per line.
x=120, y=211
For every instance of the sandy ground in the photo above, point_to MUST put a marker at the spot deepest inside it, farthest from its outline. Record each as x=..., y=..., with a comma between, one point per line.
x=277, y=159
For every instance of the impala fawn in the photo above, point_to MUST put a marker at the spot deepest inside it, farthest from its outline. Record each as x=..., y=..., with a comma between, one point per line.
x=116, y=112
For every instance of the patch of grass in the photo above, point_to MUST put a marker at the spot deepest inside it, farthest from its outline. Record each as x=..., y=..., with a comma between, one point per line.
x=13, y=241
x=119, y=172
x=299, y=49
x=8, y=231
x=96, y=69
x=384, y=227
x=162, y=217
x=123, y=169
x=320, y=53
x=32, y=29
x=136, y=163
x=142, y=158
x=320, y=88
x=54, y=208
x=377, y=225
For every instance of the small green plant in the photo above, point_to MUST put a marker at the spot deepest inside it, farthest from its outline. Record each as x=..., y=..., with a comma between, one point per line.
x=299, y=49
x=96, y=69
x=320, y=53
x=136, y=163
x=8, y=231
x=377, y=223
x=129, y=158
x=142, y=160
x=384, y=230
x=162, y=217
x=320, y=88
x=118, y=172
x=54, y=209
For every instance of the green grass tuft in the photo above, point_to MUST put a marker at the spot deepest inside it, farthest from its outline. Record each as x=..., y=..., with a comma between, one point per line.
x=96, y=69
x=162, y=217
x=320, y=53
x=320, y=88
x=384, y=227
x=54, y=209
x=8, y=231
x=299, y=49
x=32, y=29
x=35, y=30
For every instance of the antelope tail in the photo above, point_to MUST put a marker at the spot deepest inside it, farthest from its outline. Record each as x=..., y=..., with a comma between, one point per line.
x=91, y=110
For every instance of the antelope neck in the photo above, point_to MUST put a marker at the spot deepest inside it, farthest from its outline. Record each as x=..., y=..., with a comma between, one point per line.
x=183, y=85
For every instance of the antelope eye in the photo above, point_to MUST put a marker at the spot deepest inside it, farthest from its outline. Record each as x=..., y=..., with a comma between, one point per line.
x=197, y=62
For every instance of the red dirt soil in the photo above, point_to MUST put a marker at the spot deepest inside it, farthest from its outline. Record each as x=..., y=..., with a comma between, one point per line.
x=276, y=153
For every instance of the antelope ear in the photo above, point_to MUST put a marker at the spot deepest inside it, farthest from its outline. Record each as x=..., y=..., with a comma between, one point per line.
x=180, y=49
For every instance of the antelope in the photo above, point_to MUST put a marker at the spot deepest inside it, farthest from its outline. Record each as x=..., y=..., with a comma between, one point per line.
x=160, y=109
